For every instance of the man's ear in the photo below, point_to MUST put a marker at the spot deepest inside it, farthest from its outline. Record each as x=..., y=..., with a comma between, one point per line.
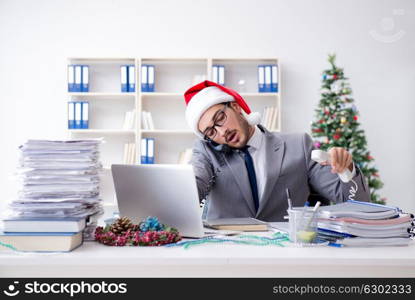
x=235, y=106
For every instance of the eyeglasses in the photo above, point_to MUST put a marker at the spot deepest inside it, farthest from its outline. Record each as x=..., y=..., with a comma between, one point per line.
x=218, y=120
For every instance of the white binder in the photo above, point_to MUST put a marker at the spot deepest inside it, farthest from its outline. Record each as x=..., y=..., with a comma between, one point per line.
x=78, y=115
x=71, y=78
x=131, y=78
x=78, y=78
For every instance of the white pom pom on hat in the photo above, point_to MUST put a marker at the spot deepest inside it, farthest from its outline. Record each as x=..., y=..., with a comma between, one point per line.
x=204, y=95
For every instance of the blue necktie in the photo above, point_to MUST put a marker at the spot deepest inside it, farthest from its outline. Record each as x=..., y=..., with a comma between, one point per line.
x=249, y=163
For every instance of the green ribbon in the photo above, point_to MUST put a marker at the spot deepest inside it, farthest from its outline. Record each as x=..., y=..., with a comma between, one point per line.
x=276, y=239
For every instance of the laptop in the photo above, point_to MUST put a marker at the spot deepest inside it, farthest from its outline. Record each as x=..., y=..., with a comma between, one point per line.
x=168, y=192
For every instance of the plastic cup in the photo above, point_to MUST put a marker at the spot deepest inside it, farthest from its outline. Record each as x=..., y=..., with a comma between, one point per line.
x=302, y=225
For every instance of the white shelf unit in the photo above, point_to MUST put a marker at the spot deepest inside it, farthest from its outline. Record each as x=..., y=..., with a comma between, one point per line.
x=107, y=107
x=173, y=76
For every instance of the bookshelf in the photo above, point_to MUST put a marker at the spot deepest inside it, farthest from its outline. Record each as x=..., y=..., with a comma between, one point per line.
x=173, y=76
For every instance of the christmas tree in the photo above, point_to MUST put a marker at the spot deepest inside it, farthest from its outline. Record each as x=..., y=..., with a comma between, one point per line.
x=337, y=125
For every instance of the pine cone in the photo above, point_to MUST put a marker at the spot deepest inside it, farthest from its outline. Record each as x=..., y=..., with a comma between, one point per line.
x=122, y=225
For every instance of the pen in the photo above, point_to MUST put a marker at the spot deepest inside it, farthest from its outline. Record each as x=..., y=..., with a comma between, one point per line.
x=315, y=208
x=303, y=212
x=290, y=204
x=335, y=245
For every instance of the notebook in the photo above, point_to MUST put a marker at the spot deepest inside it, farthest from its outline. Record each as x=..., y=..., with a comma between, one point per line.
x=399, y=230
x=239, y=224
x=358, y=209
x=41, y=242
x=374, y=242
x=43, y=225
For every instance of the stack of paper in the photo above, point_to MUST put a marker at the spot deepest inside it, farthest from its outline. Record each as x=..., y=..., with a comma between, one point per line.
x=129, y=120
x=270, y=117
x=355, y=223
x=185, y=156
x=129, y=154
x=147, y=120
x=59, y=182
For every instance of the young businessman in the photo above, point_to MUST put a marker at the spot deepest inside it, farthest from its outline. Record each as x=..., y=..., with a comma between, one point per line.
x=243, y=170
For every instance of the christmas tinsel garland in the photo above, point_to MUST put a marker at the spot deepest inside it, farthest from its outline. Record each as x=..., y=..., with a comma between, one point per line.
x=150, y=232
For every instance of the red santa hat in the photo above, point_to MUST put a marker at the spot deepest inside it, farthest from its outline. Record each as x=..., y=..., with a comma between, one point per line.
x=204, y=95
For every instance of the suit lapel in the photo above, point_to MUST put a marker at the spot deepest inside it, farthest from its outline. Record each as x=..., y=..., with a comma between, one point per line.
x=237, y=165
x=274, y=149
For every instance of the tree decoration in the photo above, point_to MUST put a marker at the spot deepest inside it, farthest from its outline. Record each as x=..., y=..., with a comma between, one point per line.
x=123, y=232
x=337, y=125
x=122, y=225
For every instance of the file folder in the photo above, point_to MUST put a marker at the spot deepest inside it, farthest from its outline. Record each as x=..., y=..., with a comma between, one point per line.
x=274, y=78
x=150, y=150
x=131, y=78
x=124, y=76
x=78, y=78
x=71, y=78
x=267, y=78
x=221, y=76
x=143, y=151
x=150, y=80
x=144, y=82
x=215, y=74
x=78, y=115
x=85, y=79
x=85, y=115
x=71, y=115
x=261, y=78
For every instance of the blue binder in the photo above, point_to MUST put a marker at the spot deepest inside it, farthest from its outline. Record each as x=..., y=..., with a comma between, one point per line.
x=150, y=150
x=71, y=78
x=124, y=79
x=78, y=78
x=78, y=115
x=71, y=115
x=131, y=78
x=268, y=70
x=215, y=74
x=85, y=78
x=144, y=78
x=143, y=154
x=85, y=115
x=261, y=78
x=274, y=78
x=151, y=78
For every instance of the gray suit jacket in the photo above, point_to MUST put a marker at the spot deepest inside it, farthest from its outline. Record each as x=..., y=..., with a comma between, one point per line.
x=222, y=178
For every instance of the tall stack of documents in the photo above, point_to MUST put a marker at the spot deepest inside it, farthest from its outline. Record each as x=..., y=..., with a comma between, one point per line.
x=355, y=223
x=59, y=183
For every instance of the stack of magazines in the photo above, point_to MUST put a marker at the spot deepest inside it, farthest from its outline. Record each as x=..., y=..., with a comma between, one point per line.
x=355, y=223
x=58, y=200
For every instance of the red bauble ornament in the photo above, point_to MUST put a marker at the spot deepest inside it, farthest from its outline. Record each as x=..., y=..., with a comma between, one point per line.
x=355, y=118
x=369, y=157
x=336, y=136
x=326, y=112
x=321, y=121
x=334, y=76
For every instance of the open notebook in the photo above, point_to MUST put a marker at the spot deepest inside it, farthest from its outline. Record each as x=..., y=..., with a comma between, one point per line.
x=239, y=224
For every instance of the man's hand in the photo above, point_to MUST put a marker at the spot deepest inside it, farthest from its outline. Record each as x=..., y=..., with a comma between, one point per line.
x=340, y=160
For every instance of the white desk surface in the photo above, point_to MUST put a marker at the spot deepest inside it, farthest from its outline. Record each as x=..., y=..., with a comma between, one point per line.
x=213, y=260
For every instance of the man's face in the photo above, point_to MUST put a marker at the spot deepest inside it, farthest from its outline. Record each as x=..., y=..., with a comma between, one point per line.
x=235, y=129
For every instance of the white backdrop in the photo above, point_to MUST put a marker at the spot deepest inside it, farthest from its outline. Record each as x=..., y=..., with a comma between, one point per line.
x=374, y=41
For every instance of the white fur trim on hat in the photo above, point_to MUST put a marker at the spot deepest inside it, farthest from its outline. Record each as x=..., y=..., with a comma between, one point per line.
x=254, y=118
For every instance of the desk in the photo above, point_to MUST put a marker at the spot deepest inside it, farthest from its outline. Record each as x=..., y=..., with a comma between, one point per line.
x=213, y=260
